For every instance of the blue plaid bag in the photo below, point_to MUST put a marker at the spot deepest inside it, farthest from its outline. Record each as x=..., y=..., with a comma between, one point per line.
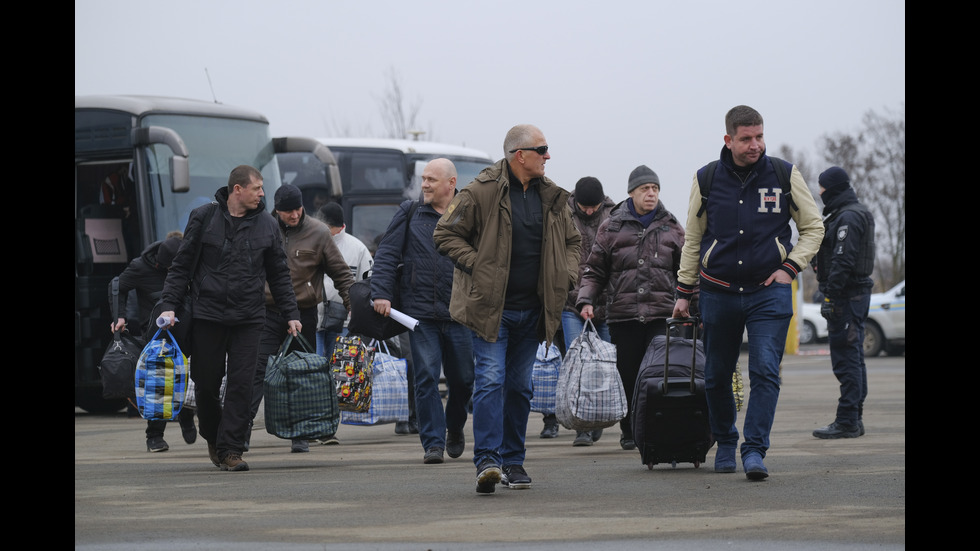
x=590, y=391
x=389, y=393
x=300, y=401
x=161, y=378
x=544, y=379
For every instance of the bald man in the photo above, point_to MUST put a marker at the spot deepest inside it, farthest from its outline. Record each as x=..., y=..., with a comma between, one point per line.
x=425, y=286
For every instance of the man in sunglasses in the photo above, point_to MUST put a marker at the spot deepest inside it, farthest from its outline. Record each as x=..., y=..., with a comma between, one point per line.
x=516, y=251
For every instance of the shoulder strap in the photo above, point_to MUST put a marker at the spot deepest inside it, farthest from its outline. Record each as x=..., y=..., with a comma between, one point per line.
x=408, y=222
x=705, y=186
x=115, y=299
x=782, y=176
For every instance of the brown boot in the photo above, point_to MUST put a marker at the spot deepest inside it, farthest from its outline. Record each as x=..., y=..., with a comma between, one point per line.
x=213, y=454
x=233, y=462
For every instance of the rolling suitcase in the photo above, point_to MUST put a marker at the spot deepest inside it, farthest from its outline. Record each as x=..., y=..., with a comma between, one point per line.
x=670, y=409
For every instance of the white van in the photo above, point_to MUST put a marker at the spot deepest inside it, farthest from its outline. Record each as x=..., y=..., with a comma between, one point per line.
x=376, y=175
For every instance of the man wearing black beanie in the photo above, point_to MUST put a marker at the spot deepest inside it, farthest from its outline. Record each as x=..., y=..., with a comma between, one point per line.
x=844, y=264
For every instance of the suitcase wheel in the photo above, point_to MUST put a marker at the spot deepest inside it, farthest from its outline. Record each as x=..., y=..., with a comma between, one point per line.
x=650, y=466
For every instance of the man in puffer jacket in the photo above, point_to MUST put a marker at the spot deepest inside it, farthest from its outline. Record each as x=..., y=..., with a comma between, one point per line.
x=636, y=254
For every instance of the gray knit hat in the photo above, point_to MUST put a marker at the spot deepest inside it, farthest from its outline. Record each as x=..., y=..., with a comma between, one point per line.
x=642, y=175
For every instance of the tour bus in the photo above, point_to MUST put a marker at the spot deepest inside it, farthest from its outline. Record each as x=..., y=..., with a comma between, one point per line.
x=370, y=177
x=142, y=163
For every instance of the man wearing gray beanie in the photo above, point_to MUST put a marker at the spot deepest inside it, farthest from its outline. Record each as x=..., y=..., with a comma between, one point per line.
x=642, y=175
x=635, y=259
x=844, y=264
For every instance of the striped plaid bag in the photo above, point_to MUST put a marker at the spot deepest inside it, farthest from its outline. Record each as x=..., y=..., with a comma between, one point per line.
x=299, y=396
x=161, y=378
x=544, y=379
x=590, y=392
x=389, y=393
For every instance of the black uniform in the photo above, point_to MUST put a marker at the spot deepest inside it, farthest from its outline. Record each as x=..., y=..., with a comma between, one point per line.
x=844, y=265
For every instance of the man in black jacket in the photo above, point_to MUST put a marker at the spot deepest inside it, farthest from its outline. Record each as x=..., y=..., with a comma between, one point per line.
x=231, y=248
x=145, y=275
x=844, y=264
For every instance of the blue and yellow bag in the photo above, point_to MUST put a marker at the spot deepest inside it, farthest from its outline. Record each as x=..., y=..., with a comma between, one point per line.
x=161, y=378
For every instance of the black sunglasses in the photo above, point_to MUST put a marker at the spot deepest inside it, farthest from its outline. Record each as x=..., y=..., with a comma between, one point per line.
x=540, y=150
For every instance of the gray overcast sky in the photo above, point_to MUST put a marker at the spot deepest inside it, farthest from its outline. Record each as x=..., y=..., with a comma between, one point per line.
x=611, y=84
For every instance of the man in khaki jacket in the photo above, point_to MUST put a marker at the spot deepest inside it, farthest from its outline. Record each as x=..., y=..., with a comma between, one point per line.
x=516, y=250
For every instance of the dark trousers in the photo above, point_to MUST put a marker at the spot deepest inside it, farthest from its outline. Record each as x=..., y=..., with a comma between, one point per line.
x=221, y=349
x=632, y=339
x=846, y=337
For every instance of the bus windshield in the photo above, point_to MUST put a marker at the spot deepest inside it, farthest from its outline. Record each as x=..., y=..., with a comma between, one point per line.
x=215, y=146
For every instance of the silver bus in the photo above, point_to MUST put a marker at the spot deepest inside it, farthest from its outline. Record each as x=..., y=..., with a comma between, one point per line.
x=142, y=163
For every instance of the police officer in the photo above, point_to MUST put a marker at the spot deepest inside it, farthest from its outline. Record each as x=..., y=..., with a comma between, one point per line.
x=844, y=264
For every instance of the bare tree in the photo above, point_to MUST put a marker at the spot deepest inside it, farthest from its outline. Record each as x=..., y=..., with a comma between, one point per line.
x=398, y=116
x=875, y=160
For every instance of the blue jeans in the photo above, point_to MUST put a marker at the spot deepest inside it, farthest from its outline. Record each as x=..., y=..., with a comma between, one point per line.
x=766, y=314
x=846, y=337
x=325, y=341
x=572, y=324
x=441, y=346
x=502, y=388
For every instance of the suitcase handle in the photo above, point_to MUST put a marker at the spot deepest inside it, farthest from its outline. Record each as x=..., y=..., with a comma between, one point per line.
x=676, y=322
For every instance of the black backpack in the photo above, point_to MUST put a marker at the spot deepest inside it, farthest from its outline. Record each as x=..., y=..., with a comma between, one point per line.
x=782, y=175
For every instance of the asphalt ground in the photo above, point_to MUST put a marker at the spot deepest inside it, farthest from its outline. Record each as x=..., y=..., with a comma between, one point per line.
x=373, y=491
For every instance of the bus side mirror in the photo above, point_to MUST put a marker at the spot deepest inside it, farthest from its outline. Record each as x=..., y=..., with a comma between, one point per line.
x=181, y=173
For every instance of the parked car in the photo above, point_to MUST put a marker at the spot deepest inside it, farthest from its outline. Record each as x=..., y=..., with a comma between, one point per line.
x=811, y=325
x=885, y=328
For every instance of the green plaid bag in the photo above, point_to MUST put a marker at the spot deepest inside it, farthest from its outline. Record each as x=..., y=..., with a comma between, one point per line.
x=300, y=402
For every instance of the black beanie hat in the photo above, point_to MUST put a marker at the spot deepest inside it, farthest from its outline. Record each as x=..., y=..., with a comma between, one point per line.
x=288, y=197
x=642, y=175
x=834, y=177
x=588, y=192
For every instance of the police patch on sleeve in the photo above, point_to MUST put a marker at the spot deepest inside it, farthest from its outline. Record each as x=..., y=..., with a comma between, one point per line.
x=842, y=233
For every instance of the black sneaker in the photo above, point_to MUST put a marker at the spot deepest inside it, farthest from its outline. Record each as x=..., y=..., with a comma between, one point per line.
x=329, y=440
x=487, y=477
x=515, y=477
x=401, y=427
x=187, y=429
x=596, y=435
x=837, y=430
x=432, y=456
x=627, y=443
x=550, y=429
x=156, y=444
x=455, y=444
x=583, y=438
x=299, y=446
